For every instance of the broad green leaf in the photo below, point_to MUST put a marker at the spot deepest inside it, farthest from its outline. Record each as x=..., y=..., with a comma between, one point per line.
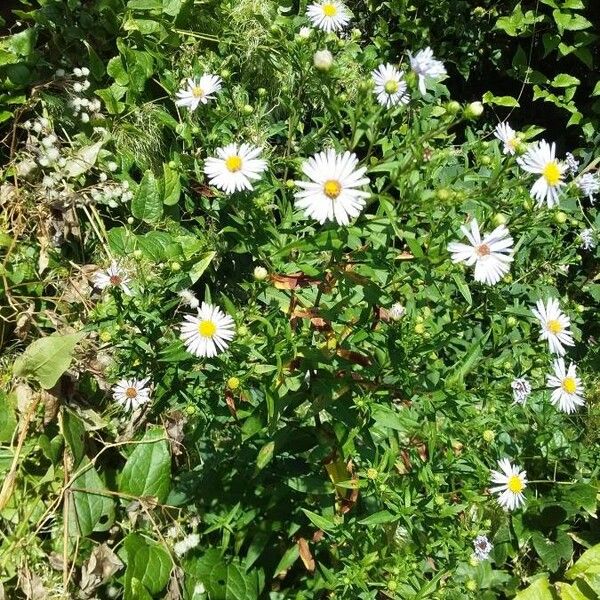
x=147, y=203
x=199, y=267
x=83, y=161
x=508, y=101
x=567, y=591
x=147, y=562
x=265, y=455
x=46, y=359
x=147, y=471
x=73, y=431
x=564, y=80
x=8, y=421
x=154, y=245
x=20, y=44
x=172, y=185
x=538, y=590
x=553, y=551
x=121, y=241
x=225, y=581
x=89, y=511
x=587, y=564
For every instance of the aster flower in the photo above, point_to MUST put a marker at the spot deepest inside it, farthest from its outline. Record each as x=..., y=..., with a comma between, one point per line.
x=510, y=482
x=132, y=393
x=209, y=332
x=198, y=91
x=490, y=255
x=555, y=325
x=114, y=276
x=508, y=136
x=329, y=15
x=390, y=87
x=567, y=394
x=188, y=298
x=541, y=160
x=482, y=547
x=426, y=67
x=332, y=193
x=589, y=184
x=235, y=167
x=521, y=390
x=587, y=239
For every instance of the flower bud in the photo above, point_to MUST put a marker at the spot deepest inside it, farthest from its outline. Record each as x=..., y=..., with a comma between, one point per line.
x=488, y=436
x=260, y=273
x=473, y=110
x=233, y=383
x=323, y=60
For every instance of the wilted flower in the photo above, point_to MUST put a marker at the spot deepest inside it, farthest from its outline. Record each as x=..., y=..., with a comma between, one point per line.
x=426, y=67
x=186, y=544
x=188, y=298
x=396, y=311
x=521, y=390
x=132, y=393
x=589, y=184
x=114, y=276
x=482, y=547
x=588, y=239
x=571, y=163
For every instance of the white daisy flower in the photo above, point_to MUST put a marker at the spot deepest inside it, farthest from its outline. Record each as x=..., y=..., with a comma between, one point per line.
x=209, y=332
x=132, y=393
x=332, y=193
x=568, y=390
x=555, y=325
x=490, y=255
x=198, y=91
x=587, y=239
x=234, y=167
x=541, y=160
x=390, y=87
x=188, y=298
x=482, y=547
x=508, y=136
x=521, y=390
x=329, y=15
x=589, y=184
x=114, y=276
x=510, y=482
x=426, y=67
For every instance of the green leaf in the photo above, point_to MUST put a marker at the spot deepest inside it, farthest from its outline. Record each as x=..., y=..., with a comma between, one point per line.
x=225, y=581
x=383, y=516
x=553, y=551
x=319, y=521
x=564, y=80
x=89, y=511
x=83, y=161
x=147, y=203
x=155, y=244
x=472, y=357
x=538, y=590
x=147, y=562
x=20, y=44
x=587, y=564
x=147, y=471
x=508, y=101
x=200, y=266
x=145, y=4
x=265, y=455
x=8, y=420
x=571, y=592
x=46, y=359
x=171, y=185
x=121, y=241
x=73, y=431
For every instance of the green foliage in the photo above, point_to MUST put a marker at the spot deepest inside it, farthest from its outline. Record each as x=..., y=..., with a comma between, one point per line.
x=341, y=445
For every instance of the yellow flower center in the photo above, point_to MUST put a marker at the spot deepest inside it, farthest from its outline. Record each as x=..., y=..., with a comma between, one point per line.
x=131, y=392
x=552, y=173
x=391, y=86
x=233, y=163
x=197, y=92
x=554, y=326
x=569, y=385
x=483, y=250
x=207, y=328
x=512, y=143
x=332, y=188
x=329, y=9
x=515, y=484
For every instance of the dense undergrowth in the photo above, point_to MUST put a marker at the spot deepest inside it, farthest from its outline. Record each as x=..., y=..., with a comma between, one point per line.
x=289, y=313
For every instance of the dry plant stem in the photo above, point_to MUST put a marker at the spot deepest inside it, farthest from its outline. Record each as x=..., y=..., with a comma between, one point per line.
x=8, y=484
